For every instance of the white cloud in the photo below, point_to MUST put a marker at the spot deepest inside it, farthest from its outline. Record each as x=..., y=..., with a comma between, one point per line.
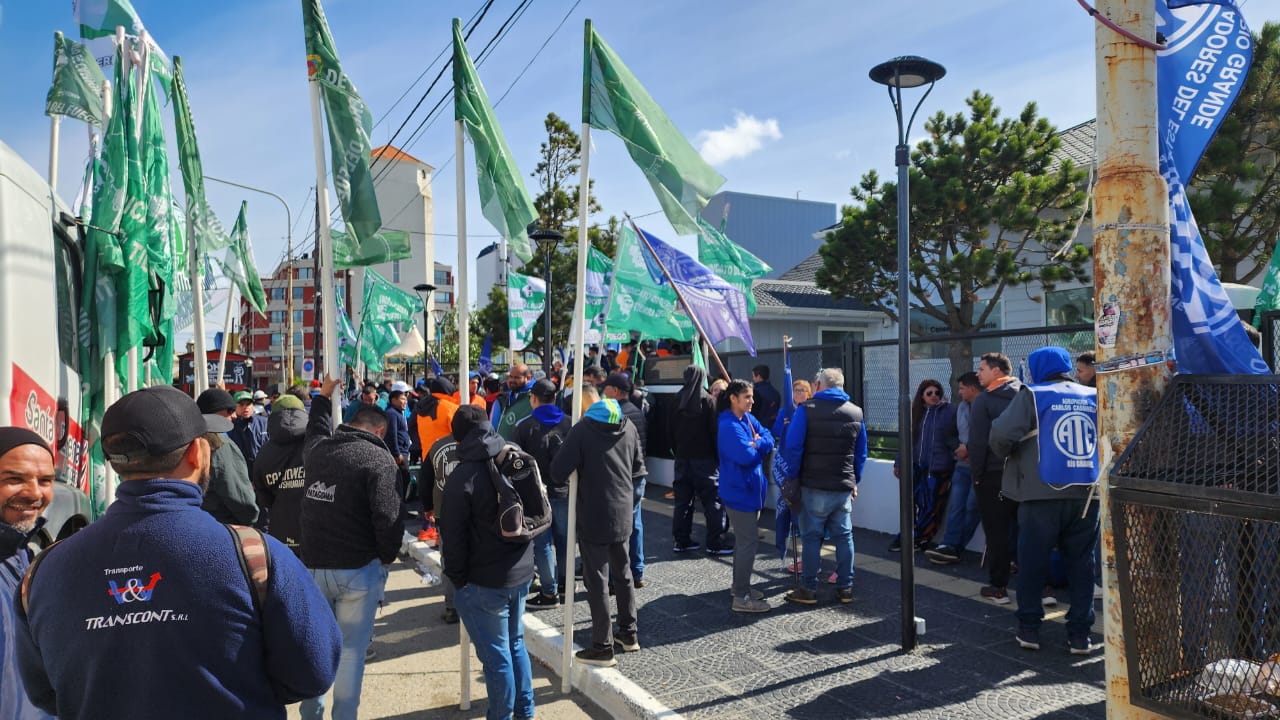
x=747, y=135
x=844, y=154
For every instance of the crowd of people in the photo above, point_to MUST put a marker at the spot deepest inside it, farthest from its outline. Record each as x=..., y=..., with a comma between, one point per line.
x=295, y=522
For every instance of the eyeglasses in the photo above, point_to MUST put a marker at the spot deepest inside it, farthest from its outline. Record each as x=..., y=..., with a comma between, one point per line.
x=932, y=393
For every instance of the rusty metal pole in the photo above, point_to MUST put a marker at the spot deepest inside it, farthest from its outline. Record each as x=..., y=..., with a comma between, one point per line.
x=1131, y=278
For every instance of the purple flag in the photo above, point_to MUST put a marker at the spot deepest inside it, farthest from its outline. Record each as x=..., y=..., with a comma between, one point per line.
x=720, y=308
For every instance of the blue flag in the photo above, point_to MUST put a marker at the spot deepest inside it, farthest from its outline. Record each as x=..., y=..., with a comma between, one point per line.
x=435, y=368
x=782, y=515
x=717, y=305
x=485, y=363
x=1199, y=73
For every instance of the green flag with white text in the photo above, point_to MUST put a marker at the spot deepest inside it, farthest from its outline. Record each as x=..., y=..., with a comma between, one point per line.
x=386, y=304
x=526, y=300
x=208, y=233
x=503, y=197
x=98, y=20
x=730, y=261
x=133, y=283
x=614, y=100
x=77, y=83
x=350, y=125
x=637, y=303
x=239, y=266
x=383, y=246
x=1269, y=295
x=596, y=292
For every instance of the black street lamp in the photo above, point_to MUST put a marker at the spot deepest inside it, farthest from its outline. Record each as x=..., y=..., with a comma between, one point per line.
x=549, y=240
x=426, y=288
x=908, y=71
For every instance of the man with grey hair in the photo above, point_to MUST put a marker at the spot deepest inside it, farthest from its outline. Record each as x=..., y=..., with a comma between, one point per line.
x=825, y=449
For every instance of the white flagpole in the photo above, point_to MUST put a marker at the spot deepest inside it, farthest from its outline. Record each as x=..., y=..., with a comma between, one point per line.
x=579, y=362
x=109, y=388
x=226, y=332
x=464, y=351
x=55, y=122
x=126, y=58
x=329, y=321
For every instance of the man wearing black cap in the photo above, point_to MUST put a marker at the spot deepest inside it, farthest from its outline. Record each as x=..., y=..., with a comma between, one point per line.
x=618, y=387
x=26, y=489
x=148, y=612
x=541, y=435
x=229, y=496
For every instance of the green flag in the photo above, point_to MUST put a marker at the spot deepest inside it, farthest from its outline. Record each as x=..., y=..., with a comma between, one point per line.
x=77, y=83
x=208, y=233
x=503, y=197
x=347, y=338
x=375, y=341
x=637, y=303
x=239, y=266
x=526, y=299
x=160, y=224
x=730, y=261
x=98, y=20
x=386, y=304
x=596, y=292
x=350, y=125
x=133, y=283
x=614, y=100
x=382, y=247
x=1269, y=295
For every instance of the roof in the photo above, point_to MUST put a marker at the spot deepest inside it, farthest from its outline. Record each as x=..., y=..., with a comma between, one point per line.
x=1078, y=145
x=797, y=295
x=806, y=271
x=391, y=152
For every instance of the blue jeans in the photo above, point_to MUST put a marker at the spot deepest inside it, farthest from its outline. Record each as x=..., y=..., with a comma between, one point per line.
x=637, y=531
x=1043, y=525
x=353, y=596
x=962, y=510
x=560, y=533
x=830, y=513
x=492, y=618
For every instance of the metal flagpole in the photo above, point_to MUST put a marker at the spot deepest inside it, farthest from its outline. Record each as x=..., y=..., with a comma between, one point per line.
x=324, y=248
x=464, y=331
x=55, y=121
x=126, y=57
x=109, y=390
x=679, y=295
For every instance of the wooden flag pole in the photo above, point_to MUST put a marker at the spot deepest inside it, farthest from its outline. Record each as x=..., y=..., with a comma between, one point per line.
x=679, y=295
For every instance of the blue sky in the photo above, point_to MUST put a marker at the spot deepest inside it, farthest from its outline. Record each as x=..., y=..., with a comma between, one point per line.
x=779, y=88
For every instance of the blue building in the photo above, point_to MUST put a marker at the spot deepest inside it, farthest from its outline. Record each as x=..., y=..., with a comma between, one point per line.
x=778, y=230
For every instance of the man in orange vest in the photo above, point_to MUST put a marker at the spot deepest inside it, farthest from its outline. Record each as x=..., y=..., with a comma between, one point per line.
x=433, y=418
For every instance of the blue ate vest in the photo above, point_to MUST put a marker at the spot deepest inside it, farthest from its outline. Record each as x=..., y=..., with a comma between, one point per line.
x=1067, y=413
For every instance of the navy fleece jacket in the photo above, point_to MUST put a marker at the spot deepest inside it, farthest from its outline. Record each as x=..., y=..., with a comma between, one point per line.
x=146, y=613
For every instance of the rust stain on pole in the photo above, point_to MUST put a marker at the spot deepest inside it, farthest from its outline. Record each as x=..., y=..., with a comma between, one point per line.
x=1131, y=281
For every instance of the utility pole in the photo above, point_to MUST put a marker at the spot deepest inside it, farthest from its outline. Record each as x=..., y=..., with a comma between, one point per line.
x=1131, y=273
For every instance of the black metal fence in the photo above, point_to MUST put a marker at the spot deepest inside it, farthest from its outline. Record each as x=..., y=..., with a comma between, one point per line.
x=1196, y=499
x=873, y=382
x=1269, y=326
x=805, y=362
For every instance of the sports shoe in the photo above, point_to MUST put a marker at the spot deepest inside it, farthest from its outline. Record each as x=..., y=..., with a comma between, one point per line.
x=542, y=601
x=802, y=596
x=834, y=577
x=844, y=595
x=370, y=653
x=748, y=604
x=429, y=535
x=686, y=547
x=997, y=595
x=795, y=566
x=1047, y=599
x=720, y=550
x=598, y=656
x=942, y=555
x=896, y=545
x=925, y=546
x=627, y=642
x=638, y=583
x=1097, y=592
x=753, y=593
x=1082, y=645
x=449, y=616
x=1028, y=639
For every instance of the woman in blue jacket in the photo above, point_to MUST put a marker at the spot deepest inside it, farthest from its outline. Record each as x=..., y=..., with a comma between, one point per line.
x=743, y=445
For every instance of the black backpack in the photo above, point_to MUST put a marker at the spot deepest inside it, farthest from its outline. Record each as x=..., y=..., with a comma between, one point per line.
x=523, y=509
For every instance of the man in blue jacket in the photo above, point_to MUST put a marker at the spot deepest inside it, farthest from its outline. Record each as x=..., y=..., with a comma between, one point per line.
x=148, y=613
x=826, y=448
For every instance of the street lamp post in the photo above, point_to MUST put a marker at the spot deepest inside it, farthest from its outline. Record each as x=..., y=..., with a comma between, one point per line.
x=549, y=240
x=908, y=71
x=424, y=291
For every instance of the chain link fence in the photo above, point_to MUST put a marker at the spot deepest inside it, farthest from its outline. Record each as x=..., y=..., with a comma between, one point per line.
x=1269, y=326
x=805, y=362
x=874, y=382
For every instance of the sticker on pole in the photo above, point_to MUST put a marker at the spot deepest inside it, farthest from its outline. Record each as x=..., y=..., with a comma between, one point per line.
x=308, y=369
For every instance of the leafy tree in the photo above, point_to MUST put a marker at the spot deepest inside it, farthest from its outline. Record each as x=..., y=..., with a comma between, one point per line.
x=557, y=205
x=993, y=207
x=1235, y=192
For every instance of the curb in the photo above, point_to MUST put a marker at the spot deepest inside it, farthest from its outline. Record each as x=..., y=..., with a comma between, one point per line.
x=606, y=687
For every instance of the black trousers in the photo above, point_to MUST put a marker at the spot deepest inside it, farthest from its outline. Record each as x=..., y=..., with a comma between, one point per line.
x=602, y=563
x=697, y=479
x=998, y=516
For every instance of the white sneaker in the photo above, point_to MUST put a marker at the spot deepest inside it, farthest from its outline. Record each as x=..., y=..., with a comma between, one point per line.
x=1048, y=600
x=749, y=604
x=1097, y=592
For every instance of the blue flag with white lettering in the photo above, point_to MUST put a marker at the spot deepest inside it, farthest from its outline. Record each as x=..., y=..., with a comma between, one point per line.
x=1208, y=50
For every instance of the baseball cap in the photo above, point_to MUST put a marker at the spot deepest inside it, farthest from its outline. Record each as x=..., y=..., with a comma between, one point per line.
x=259, y=395
x=544, y=390
x=620, y=381
x=213, y=400
x=244, y=396
x=155, y=421
x=400, y=385
x=287, y=402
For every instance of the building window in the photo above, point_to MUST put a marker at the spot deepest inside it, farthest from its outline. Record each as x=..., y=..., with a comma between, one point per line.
x=442, y=277
x=839, y=336
x=444, y=299
x=277, y=316
x=1069, y=307
x=297, y=339
x=395, y=271
x=297, y=316
x=306, y=273
x=277, y=293
x=297, y=293
x=277, y=339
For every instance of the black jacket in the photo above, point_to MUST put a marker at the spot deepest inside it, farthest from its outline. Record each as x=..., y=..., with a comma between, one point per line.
x=351, y=509
x=279, y=478
x=474, y=551
x=693, y=432
x=543, y=442
x=249, y=434
x=768, y=403
x=607, y=458
x=632, y=412
x=986, y=408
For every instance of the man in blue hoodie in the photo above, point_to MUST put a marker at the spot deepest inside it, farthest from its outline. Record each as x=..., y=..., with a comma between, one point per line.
x=148, y=613
x=541, y=435
x=826, y=448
